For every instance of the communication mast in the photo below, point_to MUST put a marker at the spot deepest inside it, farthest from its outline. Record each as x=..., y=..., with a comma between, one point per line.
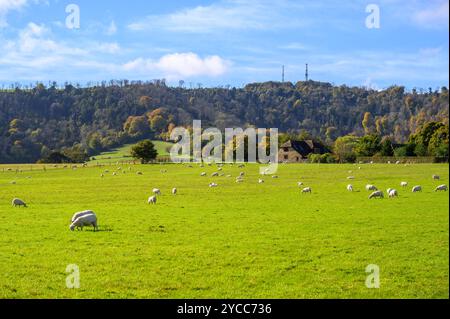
x=282, y=75
x=307, y=73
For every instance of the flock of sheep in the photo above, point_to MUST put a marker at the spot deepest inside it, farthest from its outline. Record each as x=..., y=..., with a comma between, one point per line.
x=89, y=218
x=392, y=193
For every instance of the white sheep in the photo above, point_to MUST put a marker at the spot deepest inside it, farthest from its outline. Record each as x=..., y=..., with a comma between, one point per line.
x=260, y=181
x=156, y=191
x=404, y=184
x=350, y=188
x=212, y=185
x=16, y=202
x=441, y=188
x=152, y=200
x=417, y=189
x=203, y=174
x=371, y=188
x=86, y=220
x=393, y=193
x=81, y=214
x=214, y=174
x=377, y=194
x=299, y=184
x=307, y=190
x=174, y=191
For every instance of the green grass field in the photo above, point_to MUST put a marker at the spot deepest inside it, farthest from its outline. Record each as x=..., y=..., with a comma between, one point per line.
x=244, y=240
x=122, y=154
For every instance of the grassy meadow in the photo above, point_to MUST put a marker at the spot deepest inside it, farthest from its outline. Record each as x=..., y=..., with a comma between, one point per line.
x=245, y=240
x=122, y=154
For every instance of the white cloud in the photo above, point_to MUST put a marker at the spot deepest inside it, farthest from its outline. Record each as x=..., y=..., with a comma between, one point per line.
x=181, y=65
x=434, y=16
x=224, y=15
x=9, y=5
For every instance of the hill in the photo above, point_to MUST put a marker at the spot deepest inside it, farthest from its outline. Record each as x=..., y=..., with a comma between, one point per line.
x=34, y=122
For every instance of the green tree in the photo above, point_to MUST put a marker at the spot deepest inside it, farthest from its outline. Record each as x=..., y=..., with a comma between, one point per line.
x=439, y=143
x=144, y=151
x=386, y=148
x=344, y=148
x=369, y=145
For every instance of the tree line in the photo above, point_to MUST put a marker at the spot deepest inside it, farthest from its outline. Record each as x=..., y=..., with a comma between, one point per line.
x=71, y=123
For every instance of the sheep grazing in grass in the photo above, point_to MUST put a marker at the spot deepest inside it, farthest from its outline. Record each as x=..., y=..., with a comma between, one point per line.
x=417, y=189
x=351, y=177
x=404, y=184
x=241, y=174
x=307, y=190
x=377, y=194
x=81, y=214
x=441, y=188
x=156, y=191
x=203, y=174
x=260, y=181
x=350, y=188
x=371, y=188
x=16, y=202
x=85, y=220
x=436, y=177
x=239, y=180
x=393, y=193
x=152, y=200
x=397, y=163
x=212, y=185
x=299, y=184
x=214, y=174
x=114, y=174
x=275, y=176
x=174, y=191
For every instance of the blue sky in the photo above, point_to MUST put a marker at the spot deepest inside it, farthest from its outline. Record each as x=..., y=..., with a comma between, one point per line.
x=226, y=42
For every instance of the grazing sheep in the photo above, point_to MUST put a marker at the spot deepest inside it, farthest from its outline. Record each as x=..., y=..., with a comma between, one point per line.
x=81, y=214
x=299, y=184
x=261, y=181
x=351, y=177
x=203, y=174
x=239, y=180
x=156, y=191
x=436, y=177
x=377, y=194
x=114, y=174
x=152, y=200
x=229, y=175
x=307, y=190
x=417, y=189
x=275, y=176
x=86, y=220
x=214, y=174
x=350, y=188
x=174, y=191
x=404, y=184
x=18, y=203
x=393, y=193
x=397, y=163
x=371, y=188
x=241, y=174
x=441, y=188
x=388, y=190
x=212, y=185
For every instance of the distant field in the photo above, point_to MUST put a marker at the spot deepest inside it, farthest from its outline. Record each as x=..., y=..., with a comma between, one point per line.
x=122, y=154
x=244, y=240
